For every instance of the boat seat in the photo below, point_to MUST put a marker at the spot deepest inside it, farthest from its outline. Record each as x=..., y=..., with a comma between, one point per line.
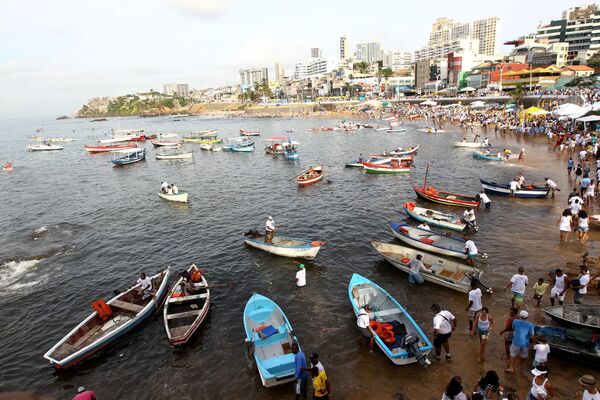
x=458, y=275
x=87, y=335
x=445, y=273
x=124, y=305
x=199, y=285
x=184, y=314
x=186, y=298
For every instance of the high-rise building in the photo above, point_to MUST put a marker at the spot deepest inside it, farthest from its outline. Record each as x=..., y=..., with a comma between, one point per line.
x=343, y=48
x=397, y=59
x=443, y=49
x=486, y=31
x=444, y=30
x=369, y=52
x=251, y=76
x=316, y=52
x=313, y=67
x=179, y=89
x=279, y=72
x=579, y=27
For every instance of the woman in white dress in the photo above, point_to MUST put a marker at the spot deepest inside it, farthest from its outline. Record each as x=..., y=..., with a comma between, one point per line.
x=564, y=225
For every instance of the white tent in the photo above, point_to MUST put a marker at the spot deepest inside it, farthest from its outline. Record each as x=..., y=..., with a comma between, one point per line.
x=589, y=118
x=468, y=89
x=477, y=104
x=429, y=103
x=596, y=106
x=570, y=110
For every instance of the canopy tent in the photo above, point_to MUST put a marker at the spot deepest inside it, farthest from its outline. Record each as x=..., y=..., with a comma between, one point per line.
x=596, y=106
x=477, y=104
x=535, y=111
x=589, y=118
x=570, y=110
x=468, y=89
x=429, y=103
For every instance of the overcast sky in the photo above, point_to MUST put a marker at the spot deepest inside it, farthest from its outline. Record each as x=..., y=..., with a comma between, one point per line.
x=55, y=55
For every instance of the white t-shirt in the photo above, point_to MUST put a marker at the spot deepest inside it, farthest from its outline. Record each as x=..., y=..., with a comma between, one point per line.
x=583, y=222
x=575, y=208
x=270, y=225
x=175, y=189
x=362, y=320
x=484, y=197
x=551, y=184
x=572, y=199
x=318, y=365
x=441, y=322
x=460, y=396
x=469, y=245
x=301, y=277
x=584, y=281
x=424, y=226
x=475, y=297
x=541, y=352
x=519, y=282
x=588, y=396
x=146, y=283
x=514, y=185
x=565, y=224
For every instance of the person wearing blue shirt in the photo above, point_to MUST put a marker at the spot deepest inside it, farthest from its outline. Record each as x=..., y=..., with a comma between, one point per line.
x=523, y=334
x=301, y=373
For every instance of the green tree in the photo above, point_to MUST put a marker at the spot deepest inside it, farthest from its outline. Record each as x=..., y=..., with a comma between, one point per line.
x=361, y=67
x=518, y=93
x=387, y=72
x=594, y=60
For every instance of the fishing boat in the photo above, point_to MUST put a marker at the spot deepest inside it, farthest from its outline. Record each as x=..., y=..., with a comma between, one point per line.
x=217, y=146
x=403, y=151
x=528, y=191
x=290, y=150
x=180, y=197
x=430, y=193
x=394, y=130
x=582, y=316
x=136, y=135
x=575, y=344
x=387, y=314
x=60, y=139
x=249, y=133
x=108, y=322
x=126, y=157
x=285, y=246
x=7, y=166
x=432, y=241
x=185, y=312
x=436, y=218
x=269, y=336
x=167, y=140
x=239, y=144
x=464, y=143
x=44, y=147
x=100, y=148
x=201, y=136
x=396, y=166
x=274, y=145
x=488, y=157
x=447, y=273
x=373, y=159
x=431, y=130
x=311, y=176
x=176, y=155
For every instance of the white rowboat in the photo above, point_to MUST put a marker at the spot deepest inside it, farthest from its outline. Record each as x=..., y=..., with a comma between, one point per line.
x=181, y=197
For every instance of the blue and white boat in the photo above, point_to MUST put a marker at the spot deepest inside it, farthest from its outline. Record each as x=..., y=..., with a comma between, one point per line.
x=530, y=191
x=388, y=314
x=286, y=246
x=431, y=241
x=488, y=157
x=239, y=144
x=270, y=336
x=118, y=316
x=128, y=156
x=290, y=150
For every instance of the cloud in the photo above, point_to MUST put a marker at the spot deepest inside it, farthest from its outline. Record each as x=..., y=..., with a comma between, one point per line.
x=206, y=9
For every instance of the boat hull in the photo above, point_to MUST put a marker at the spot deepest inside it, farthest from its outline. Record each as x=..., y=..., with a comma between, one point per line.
x=581, y=316
x=181, y=197
x=504, y=190
x=472, y=145
x=108, y=149
x=306, y=250
x=384, y=169
x=458, y=201
x=459, y=227
x=182, y=156
x=305, y=180
x=451, y=247
x=480, y=156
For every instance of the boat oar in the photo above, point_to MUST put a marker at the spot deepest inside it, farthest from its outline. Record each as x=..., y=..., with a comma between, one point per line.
x=229, y=285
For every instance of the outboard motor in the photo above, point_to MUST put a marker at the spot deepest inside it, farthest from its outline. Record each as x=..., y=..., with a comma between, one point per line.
x=252, y=233
x=410, y=343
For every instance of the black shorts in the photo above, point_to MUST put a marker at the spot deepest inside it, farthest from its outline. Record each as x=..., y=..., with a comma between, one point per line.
x=441, y=339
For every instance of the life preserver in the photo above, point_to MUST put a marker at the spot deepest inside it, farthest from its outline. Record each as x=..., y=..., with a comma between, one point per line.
x=405, y=260
x=431, y=190
x=387, y=327
x=104, y=311
x=376, y=326
x=317, y=243
x=409, y=206
x=388, y=337
x=403, y=230
x=197, y=276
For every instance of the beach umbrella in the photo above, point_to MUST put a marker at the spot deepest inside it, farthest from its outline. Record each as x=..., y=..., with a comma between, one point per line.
x=478, y=104
x=589, y=118
x=570, y=110
x=429, y=103
x=468, y=89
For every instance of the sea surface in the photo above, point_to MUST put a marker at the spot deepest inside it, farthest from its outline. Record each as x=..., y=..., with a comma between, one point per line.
x=75, y=229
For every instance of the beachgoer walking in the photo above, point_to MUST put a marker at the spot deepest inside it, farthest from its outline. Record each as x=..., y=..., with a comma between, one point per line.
x=539, y=289
x=588, y=384
x=508, y=332
x=475, y=303
x=523, y=334
x=482, y=326
x=444, y=323
x=542, y=349
x=541, y=389
x=301, y=374
x=564, y=225
x=454, y=390
x=518, y=283
x=580, y=284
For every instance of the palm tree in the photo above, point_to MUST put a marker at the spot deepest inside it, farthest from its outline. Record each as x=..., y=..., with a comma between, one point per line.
x=518, y=93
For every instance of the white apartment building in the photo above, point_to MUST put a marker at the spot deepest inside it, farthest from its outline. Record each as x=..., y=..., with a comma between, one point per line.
x=397, y=59
x=369, y=52
x=344, y=48
x=486, y=30
x=443, y=49
x=249, y=77
x=444, y=30
x=314, y=67
x=179, y=89
x=316, y=52
x=279, y=72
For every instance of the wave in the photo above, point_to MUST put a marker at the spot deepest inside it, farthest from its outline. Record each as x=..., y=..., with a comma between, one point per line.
x=12, y=272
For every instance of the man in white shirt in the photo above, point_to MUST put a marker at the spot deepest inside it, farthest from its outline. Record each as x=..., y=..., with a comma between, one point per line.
x=575, y=207
x=416, y=265
x=561, y=283
x=581, y=288
x=363, y=322
x=470, y=250
x=163, y=187
x=175, y=189
x=269, y=230
x=518, y=283
x=423, y=225
x=444, y=323
x=483, y=197
x=514, y=185
x=301, y=276
x=475, y=303
x=145, y=286
x=550, y=184
x=588, y=384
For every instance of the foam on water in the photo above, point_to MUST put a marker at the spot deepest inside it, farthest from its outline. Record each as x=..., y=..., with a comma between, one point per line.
x=12, y=272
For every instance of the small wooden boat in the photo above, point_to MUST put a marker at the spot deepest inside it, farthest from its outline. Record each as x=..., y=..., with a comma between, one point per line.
x=184, y=155
x=44, y=147
x=431, y=130
x=577, y=315
x=432, y=241
x=184, y=312
x=166, y=142
x=118, y=316
x=574, y=344
x=249, y=133
x=274, y=145
x=404, y=152
x=286, y=246
x=290, y=150
x=180, y=197
x=450, y=199
x=529, y=191
x=488, y=157
x=217, y=146
x=131, y=156
x=7, y=166
x=447, y=273
x=393, y=130
x=311, y=176
x=435, y=218
x=388, y=311
x=201, y=136
x=374, y=159
x=239, y=144
x=270, y=336
x=469, y=144
x=108, y=148
x=394, y=167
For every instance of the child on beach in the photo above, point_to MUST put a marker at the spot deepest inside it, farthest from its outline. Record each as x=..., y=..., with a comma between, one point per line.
x=539, y=289
x=542, y=349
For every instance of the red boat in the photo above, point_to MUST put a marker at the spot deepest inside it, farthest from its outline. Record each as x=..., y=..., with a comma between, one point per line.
x=312, y=175
x=450, y=199
x=109, y=148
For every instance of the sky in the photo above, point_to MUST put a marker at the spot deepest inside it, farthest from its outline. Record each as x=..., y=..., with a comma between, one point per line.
x=55, y=55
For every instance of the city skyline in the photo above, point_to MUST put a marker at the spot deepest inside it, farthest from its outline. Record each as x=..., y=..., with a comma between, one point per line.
x=68, y=52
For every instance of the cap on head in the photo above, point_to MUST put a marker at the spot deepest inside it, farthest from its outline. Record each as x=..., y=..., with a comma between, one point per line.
x=301, y=266
x=587, y=380
x=523, y=314
x=82, y=389
x=540, y=370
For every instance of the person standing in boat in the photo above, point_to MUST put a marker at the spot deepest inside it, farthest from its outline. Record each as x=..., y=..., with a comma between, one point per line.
x=416, y=265
x=163, y=187
x=269, y=230
x=145, y=286
x=469, y=218
x=174, y=189
x=424, y=225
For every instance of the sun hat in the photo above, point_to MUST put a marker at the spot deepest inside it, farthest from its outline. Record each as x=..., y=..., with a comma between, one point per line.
x=537, y=372
x=587, y=380
x=523, y=314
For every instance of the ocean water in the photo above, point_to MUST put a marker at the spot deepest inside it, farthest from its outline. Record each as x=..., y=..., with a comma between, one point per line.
x=75, y=228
